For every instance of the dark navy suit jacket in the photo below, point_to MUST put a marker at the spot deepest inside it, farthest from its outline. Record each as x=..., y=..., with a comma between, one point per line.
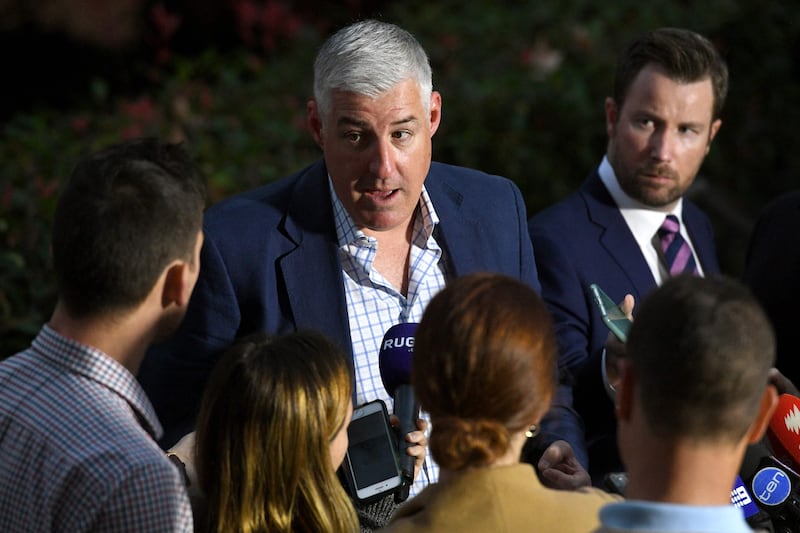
x=772, y=271
x=270, y=263
x=582, y=240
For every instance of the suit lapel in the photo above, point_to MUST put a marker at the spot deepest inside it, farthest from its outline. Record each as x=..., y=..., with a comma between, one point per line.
x=310, y=270
x=615, y=236
x=460, y=237
x=702, y=240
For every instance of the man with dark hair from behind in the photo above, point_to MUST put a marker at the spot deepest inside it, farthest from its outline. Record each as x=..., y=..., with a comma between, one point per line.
x=694, y=392
x=77, y=432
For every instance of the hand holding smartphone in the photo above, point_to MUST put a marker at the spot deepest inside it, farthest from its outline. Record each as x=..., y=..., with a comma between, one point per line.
x=617, y=321
x=612, y=314
x=370, y=465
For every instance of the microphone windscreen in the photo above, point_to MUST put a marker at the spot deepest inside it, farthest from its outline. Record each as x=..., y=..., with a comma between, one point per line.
x=784, y=430
x=396, y=353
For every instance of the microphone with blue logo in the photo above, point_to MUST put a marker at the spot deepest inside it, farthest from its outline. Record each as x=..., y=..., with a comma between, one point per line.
x=394, y=360
x=740, y=497
x=774, y=487
x=755, y=517
x=617, y=482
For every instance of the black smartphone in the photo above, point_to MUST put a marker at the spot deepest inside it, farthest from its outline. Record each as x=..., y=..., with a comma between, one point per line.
x=614, y=318
x=370, y=466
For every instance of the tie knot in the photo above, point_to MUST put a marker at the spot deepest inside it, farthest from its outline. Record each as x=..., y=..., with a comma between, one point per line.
x=671, y=224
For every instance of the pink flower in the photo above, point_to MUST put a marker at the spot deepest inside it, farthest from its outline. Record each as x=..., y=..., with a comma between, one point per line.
x=165, y=22
x=80, y=123
x=141, y=110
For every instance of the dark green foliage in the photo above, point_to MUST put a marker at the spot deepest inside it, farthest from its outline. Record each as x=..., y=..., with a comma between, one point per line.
x=523, y=85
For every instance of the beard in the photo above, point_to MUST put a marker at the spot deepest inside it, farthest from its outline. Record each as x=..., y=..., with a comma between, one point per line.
x=640, y=185
x=637, y=181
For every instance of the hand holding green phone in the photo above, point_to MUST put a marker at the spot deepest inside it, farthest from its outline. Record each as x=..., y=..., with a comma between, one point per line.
x=612, y=314
x=619, y=324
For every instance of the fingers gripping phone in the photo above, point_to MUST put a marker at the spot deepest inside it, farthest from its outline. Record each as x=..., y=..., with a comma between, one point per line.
x=619, y=324
x=370, y=466
x=613, y=316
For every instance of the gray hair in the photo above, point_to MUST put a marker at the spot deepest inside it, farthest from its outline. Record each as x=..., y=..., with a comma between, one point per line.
x=369, y=58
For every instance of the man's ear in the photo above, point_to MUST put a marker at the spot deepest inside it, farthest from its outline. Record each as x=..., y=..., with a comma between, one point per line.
x=314, y=122
x=436, y=111
x=612, y=115
x=179, y=279
x=715, y=126
x=625, y=389
x=769, y=401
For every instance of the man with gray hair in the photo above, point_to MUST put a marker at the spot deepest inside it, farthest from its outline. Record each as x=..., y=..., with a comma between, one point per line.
x=355, y=243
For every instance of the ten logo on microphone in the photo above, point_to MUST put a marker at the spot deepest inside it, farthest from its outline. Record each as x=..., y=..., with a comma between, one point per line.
x=771, y=486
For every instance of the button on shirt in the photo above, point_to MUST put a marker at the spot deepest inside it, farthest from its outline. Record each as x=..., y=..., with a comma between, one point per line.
x=373, y=305
x=77, y=448
x=644, y=221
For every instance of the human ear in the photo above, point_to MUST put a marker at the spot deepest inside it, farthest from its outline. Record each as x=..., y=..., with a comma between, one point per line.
x=712, y=133
x=769, y=400
x=435, y=111
x=314, y=122
x=612, y=115
x=177, y=284
x=625, y=390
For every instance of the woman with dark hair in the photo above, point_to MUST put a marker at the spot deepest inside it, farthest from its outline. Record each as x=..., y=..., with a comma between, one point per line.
x=485, y=369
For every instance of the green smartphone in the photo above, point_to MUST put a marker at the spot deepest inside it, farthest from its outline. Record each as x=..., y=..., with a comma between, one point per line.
x=614, y=318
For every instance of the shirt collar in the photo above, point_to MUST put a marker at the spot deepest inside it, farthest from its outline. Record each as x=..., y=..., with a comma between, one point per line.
x=656, y=516
x=97, y=366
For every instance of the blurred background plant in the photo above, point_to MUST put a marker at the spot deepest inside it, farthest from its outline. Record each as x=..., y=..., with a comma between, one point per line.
x=523, y=86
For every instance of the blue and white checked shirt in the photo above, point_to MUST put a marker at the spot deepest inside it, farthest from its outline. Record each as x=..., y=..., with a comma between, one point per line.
x=77, y=448
x=373, y=305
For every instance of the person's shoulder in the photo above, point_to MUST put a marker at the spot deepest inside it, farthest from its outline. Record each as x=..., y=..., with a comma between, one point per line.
x=464, y=179
x=567, y=215
x=560, y=209
x=148, y=489
x=786, y=205
x=598, y=495
x=572, y=510
x=112, y=442
x=476, y=193
x=571, y=209
x=39, y=395
x=13, y=367
x=126, y=463
x=266, y=201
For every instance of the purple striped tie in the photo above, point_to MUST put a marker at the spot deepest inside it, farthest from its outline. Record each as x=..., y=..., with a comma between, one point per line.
x=677, y=253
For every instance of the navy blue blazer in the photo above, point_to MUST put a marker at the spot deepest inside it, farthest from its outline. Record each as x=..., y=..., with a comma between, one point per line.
x=269, y=263
x=771, y=270
x=582, y=240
